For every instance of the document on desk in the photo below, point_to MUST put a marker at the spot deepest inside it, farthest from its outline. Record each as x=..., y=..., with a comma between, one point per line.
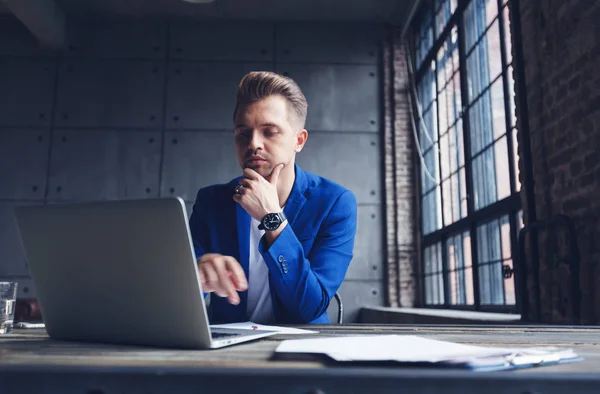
x=253, y=326
x=411, y=349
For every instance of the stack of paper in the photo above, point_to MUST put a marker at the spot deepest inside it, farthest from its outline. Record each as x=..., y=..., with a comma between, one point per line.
x=413, y=349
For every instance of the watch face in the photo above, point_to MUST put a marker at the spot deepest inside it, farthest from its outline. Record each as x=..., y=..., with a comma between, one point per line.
x=271, y=221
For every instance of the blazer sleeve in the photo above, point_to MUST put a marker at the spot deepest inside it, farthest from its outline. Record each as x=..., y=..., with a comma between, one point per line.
x=306, y=284
x=198, y=227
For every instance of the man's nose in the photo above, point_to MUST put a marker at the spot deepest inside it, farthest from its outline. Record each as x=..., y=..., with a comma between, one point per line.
x=255, y=141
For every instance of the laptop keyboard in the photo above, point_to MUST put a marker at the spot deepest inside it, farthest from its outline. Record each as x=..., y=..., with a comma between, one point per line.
x=219, y=335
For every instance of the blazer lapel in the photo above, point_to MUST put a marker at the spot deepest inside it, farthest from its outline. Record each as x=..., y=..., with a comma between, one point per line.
x=296, y=199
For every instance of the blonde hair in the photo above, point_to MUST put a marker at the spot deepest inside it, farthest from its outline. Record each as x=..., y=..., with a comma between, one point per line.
x=258, y=85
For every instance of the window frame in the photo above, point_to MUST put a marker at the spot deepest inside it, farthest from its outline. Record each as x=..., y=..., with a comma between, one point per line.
x=509, y=206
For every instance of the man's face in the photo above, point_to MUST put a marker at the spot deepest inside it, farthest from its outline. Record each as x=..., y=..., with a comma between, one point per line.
x=266, y=135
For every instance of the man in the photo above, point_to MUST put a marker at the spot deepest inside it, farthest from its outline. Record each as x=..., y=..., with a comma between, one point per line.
x=274, y=244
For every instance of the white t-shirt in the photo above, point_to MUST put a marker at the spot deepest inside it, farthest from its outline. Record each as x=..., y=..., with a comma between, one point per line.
x=259, y=308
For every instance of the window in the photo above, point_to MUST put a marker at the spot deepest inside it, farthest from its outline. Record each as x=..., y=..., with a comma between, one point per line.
x=469, y=188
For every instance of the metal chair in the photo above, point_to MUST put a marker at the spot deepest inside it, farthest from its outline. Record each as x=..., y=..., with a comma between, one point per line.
x=338, y=298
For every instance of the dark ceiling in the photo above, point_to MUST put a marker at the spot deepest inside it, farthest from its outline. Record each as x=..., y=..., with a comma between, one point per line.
x=391, y=11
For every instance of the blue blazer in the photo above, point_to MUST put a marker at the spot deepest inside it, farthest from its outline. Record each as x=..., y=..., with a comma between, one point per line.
x=307, y=262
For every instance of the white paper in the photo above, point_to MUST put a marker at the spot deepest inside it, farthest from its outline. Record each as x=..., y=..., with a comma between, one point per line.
x=253, y=326
x=404, y=348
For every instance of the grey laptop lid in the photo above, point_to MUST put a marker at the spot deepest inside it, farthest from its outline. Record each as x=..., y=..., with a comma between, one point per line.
x=116, y=271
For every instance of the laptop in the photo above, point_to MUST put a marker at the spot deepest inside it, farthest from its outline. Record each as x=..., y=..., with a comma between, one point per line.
x=120, y=272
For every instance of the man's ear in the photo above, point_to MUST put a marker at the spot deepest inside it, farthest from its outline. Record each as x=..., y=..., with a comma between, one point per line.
x=301, y=138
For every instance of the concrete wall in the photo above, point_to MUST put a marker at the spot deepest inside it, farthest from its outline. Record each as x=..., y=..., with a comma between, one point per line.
x=140, y=109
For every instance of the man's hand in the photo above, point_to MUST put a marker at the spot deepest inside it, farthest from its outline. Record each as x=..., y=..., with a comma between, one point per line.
x=258, y=195
x=222, y=275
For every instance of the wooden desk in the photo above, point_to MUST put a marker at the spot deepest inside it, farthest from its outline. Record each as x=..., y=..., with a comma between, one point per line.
x=31, y=362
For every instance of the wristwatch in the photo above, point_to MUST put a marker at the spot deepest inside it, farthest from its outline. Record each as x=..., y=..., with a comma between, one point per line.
x=272, y=221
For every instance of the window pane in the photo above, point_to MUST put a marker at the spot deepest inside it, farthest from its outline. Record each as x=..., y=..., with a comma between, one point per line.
x=452, y=157
x=491, y=281
x=484, y=64
x=481, y=126
x=425, y=130
x=428, y=290
x=491, y=181
x=437, y=289
x=426, y=89
x=491, y=10
x=460, y=144
x=447, y=201
x=434, y=280
x=448, y=64
x=445, y=156
x=424, y=38
x=456, y=147
x=478, y=15
x=460, y=276
x=454, y=198
x=430, y=174
x=498, y=111
x=476, y=20
x=455, y=99
x=511, y=97
x=487, y=115
x=432, y=211
x=494, y=252
x=437, y=254
x=463, y=193
x=507, y=35
x=458, y=195
x=427, y=261
x=445, y=9
x=443, y=111
x=505, y=236
x=502, y=169
x=442, y=77
x=467, y=246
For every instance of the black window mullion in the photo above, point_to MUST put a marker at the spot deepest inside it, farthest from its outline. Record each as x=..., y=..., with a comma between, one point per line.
x=438, y=186
x=467, y=152
x=499, y=229
x=499, y=208
x=445, y=270
x=514, y=247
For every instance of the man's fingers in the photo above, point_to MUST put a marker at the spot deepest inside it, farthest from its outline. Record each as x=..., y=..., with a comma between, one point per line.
x=222, y=275
x=225, y=282
x=246, y=183
x=208, y=277
x=250, y=174
x=237, y=274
